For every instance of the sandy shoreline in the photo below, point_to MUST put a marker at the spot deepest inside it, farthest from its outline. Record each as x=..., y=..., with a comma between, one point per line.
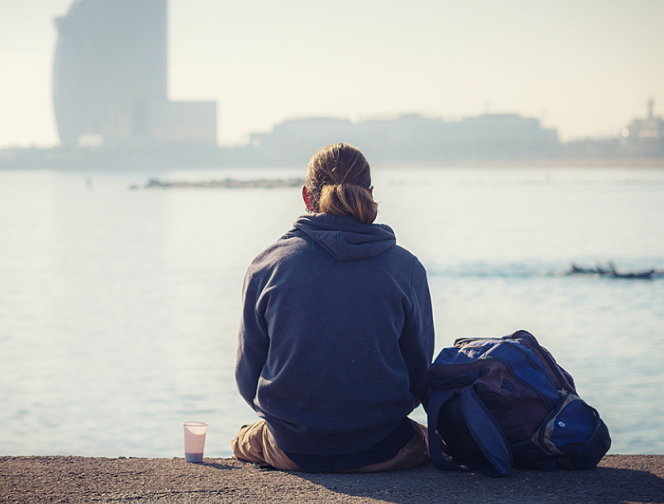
x=618, y=479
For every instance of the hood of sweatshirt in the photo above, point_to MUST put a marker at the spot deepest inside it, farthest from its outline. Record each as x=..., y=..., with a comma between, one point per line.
x=345, y=238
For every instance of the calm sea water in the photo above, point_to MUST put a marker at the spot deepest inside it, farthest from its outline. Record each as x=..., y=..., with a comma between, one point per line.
x=119, y=308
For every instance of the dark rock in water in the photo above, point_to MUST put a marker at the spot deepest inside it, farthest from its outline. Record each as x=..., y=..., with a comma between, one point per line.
x=644, y=275
x=614, y=273
x=226, y=183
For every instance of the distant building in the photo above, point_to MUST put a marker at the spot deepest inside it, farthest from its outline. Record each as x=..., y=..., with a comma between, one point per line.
x=645, y=137
x=413, y=137
x=110, y=79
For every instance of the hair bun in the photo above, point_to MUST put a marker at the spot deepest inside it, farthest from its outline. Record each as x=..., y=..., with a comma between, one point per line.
x=338, y=182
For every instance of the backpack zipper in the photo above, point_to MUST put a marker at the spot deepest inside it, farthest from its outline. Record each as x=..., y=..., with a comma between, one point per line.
x=511, y=370
x=552, y=365
x=528, y=356
x=523, y=382
x=518, y=346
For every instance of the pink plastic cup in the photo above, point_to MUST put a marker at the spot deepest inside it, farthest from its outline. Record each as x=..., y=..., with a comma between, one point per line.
x=194, y=441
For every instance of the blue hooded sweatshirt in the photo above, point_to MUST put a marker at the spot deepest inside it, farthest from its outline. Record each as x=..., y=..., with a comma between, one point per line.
x=336, y=333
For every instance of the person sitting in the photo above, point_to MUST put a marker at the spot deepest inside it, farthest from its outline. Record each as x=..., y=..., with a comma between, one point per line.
x=336, y=334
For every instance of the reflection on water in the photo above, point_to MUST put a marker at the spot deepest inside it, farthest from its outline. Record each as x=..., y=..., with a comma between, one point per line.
x=120, y=308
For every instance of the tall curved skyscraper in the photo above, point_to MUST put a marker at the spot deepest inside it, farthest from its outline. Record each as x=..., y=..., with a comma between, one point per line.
x=110, y=78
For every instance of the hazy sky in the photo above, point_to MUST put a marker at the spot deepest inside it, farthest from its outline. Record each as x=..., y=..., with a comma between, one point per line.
x=586, y=67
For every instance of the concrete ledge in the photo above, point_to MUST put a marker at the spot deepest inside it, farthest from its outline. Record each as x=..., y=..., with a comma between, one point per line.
x=618, y=479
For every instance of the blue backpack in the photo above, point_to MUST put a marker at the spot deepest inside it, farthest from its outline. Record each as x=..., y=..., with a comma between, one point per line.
x=494, y=404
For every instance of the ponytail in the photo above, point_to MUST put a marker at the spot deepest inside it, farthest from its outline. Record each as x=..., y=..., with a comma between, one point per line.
x=347, y=199
x=339, y=183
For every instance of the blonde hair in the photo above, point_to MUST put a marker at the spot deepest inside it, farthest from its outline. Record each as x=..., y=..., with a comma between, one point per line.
x=339, y=183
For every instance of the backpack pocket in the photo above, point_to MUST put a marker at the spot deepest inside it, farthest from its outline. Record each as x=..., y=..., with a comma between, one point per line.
x=573, y=434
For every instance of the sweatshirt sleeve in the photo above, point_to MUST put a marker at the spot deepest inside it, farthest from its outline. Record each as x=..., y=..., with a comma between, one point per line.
x=418, y=339
x=253, y=343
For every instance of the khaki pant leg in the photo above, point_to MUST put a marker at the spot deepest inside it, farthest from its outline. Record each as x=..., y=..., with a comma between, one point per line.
x=415, y=453
x=253, y=443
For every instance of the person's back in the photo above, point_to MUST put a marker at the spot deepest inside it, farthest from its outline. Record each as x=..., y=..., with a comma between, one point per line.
x=336, y=334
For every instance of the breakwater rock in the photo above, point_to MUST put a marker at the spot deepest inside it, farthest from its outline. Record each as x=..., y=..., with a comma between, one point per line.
x=226, y=183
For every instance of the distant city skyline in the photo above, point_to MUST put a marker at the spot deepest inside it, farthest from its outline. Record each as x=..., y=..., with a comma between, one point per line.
x=585, y=68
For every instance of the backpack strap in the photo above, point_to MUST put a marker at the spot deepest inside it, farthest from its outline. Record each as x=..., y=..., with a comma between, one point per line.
x=487, y=433
x=436, y=403
x=482, y=425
